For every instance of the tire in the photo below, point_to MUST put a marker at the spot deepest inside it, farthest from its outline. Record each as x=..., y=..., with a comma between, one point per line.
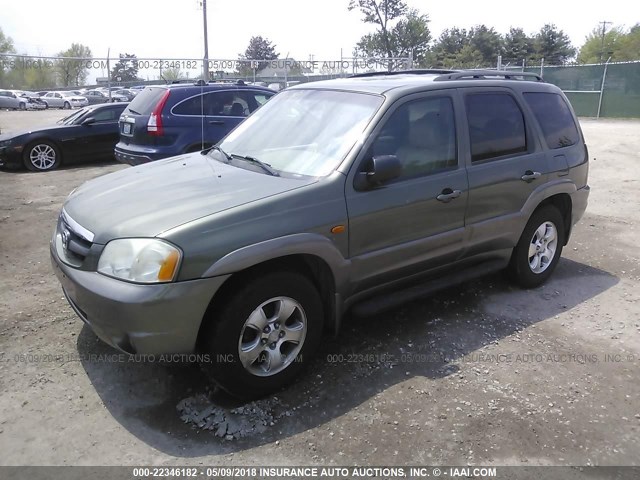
x=23, y=106
x=46, y=105
x=42, y=156
x=66, y=106
x=538, y=251
x=246, y=370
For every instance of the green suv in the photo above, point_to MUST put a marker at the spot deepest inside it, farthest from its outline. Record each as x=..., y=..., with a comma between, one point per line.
x=334, y=193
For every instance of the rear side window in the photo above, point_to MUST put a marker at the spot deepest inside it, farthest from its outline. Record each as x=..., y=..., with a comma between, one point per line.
x=554, y=117
x=146, y=100
x=190, y=106
x=496, y=126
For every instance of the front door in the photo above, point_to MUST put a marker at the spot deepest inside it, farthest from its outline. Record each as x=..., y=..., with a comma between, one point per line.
x=415, y=222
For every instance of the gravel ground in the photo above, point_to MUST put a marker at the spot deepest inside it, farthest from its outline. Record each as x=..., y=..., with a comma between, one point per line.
x=483, y=373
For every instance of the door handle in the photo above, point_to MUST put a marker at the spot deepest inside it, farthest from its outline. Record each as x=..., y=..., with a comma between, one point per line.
x=216, y=122
x=530, y=176
x=447, y=195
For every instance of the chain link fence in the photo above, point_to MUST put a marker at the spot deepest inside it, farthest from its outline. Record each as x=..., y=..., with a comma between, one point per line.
x=598, y=90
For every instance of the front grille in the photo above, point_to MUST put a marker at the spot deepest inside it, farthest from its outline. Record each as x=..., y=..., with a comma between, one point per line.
x=74, y=243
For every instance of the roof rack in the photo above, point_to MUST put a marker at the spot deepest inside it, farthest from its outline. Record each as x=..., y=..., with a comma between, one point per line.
x=487, y=74
x=423, y=71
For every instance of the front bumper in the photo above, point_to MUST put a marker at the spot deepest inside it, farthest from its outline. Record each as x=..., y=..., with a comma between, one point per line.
x=138, y=319
x=10, y=157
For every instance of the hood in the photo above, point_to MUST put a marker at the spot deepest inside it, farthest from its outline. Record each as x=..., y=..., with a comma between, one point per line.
x=147, y=200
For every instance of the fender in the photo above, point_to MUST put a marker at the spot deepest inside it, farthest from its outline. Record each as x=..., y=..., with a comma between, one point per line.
x=299, y=243
x=545, y=191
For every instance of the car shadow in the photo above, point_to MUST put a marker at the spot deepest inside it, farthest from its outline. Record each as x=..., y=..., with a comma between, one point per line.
x=367, y=358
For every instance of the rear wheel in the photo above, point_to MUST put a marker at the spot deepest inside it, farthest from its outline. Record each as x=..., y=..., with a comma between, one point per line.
x=264, y=334
x=41, y=156
x=538, y=251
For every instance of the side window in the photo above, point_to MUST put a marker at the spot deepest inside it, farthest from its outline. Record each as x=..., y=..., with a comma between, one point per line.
x=496, y=126
x=105, y=115
x=257, y=99
x=227, y=104
x=190, y=106
x=422, y=135
x=554, y=117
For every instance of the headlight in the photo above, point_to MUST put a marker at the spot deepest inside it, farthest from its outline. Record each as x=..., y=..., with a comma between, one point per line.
x=143, y=260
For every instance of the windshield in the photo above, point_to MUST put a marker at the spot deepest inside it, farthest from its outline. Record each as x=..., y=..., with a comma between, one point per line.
x=305, y=132
x=71, y=119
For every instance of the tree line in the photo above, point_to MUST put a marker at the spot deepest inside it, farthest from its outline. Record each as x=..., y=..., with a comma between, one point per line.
x=400, y=32
x=404, y=32
x=62, y=70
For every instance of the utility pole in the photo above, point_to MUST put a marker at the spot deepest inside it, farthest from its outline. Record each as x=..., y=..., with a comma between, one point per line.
x=205, y=66
x=604, y=30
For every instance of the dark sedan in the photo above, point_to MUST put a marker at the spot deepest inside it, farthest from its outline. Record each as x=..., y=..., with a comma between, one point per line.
x=88, y=134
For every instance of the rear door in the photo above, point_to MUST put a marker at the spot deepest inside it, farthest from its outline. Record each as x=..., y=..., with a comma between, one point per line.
x=224, y=110
x=505, y=164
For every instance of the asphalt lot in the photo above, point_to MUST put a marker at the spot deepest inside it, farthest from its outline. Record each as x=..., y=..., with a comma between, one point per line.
x=483, y=373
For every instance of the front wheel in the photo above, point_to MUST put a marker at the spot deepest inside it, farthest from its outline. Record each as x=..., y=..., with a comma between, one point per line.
x=538, y=251
x=41, y=156
x=264, y=334
x=66, y=106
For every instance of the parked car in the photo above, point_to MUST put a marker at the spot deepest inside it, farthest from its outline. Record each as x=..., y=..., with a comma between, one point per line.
x=129, y=94
x=168, y=120
x=100, y=96
x=64, y=100
x=333, y=194
x=10, y=100
x=34, y=102
x=87, y=134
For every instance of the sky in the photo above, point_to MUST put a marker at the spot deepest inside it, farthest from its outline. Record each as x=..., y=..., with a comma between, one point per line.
x=299, y=28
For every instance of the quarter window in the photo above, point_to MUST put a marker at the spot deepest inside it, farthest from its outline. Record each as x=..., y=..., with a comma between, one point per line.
x=496, y=126
x=554, y=117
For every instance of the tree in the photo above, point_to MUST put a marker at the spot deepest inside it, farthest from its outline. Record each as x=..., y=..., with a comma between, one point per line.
x=380, y=13
x=448, y=46
x=410, y=37
x=621, y=46
x=6, y=46
x=553, y=45
x=517, y=46
x=597, y=49
x=259, y=48
x=486, y=42
x=72, y=69
x=172, y=74
x=126, y=70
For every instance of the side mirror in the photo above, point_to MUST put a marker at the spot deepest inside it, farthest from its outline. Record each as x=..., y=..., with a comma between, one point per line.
x=88, y=121
x=377, y=171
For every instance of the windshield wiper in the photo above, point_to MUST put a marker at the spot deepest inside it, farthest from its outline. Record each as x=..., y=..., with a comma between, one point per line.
x=227, y=157
x=134, y=112
x=265, y=166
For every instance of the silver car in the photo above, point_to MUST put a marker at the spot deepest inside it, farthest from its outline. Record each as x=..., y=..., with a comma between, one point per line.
x=11, y=100
x=64, y=100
